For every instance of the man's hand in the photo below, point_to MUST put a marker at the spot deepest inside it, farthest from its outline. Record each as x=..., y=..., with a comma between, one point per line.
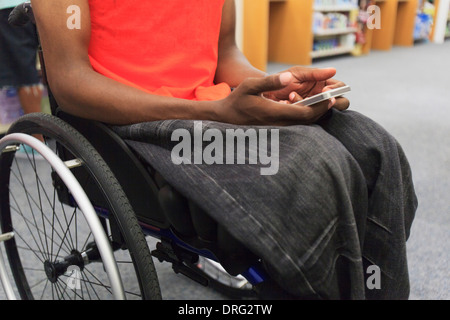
x=340, y=103
x=246, y=105
x=307, y=82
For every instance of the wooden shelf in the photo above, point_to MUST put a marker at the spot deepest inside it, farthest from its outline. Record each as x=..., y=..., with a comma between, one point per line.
x=405, y=22
x=331, y=52
x=334, y=32
x=335, y=8
x=290, y=32
x=397, y=24
x=282, y=31
x=255, y=24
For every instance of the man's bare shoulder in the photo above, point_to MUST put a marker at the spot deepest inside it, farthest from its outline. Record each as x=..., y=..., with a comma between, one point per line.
x=62, y=16
x=64, y=26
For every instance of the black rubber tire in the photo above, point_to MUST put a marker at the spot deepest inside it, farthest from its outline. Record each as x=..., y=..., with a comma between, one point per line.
x=133, y=237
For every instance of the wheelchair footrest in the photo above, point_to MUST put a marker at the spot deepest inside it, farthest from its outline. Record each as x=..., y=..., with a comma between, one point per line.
x=178, y=257
x=190, y=273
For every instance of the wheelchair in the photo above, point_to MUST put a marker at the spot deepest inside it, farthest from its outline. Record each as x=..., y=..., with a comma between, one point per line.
x=77, y=208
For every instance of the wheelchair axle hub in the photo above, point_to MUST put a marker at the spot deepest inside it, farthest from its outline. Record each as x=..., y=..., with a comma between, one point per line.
x=54, y=270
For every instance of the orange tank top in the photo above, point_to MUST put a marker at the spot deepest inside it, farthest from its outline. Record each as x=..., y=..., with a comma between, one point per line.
x=164, y=47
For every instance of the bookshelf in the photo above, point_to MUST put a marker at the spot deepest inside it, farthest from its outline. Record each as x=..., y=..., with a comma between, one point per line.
x=290, y=32
x=282, y=30
x=334, y=27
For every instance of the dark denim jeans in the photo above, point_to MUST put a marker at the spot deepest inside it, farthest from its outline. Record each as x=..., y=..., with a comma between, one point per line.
x=342, y=200
x=18, y=47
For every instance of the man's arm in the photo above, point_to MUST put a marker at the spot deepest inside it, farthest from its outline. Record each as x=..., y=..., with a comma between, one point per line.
x=233, y=67
x=81, y=91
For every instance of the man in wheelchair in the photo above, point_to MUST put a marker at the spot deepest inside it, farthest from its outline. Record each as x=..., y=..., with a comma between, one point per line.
x=342, y=198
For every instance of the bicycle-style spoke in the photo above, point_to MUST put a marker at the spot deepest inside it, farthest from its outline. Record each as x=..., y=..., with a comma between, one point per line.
x=38, y=203
x=34, y=251
x=17, y=209
x=38, y=182
x=83, y=247
x=68, y=223
x=25, y=220
x=33, y=164
x=85, y=285
x=43, y=290
x=99, y=282
x=59, y=290
x=107, y=287
x=38, y=283
x=38, y=230
x=91, y=285
x=31, y=249
x=63, y=285
x=65, y=235
x=34, y=269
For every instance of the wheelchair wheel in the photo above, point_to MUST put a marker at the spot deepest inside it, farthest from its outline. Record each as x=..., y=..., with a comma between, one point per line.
x=53, y=254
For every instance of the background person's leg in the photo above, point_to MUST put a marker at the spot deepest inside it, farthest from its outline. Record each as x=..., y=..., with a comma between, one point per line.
x=18, y=62
x=30, y=98
x=18, y=53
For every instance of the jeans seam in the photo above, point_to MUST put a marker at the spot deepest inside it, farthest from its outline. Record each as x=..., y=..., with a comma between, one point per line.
x=376, y=222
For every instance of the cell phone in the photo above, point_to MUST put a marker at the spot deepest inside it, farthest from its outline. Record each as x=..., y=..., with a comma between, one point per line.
x=324, y=96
